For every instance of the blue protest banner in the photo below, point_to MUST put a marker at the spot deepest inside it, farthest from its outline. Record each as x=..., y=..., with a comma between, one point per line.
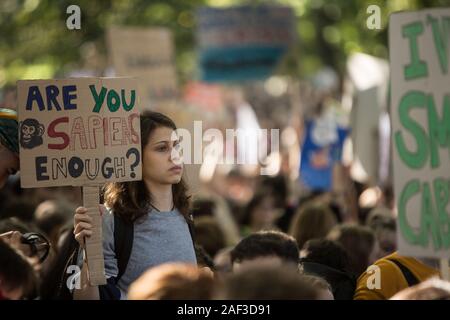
x=322, y=148
x=242, y=43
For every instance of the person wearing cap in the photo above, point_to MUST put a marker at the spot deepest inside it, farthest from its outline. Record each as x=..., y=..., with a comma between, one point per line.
x=9, y=145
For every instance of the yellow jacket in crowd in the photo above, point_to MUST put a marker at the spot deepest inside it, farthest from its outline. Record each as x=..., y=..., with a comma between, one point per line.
x=391, y=278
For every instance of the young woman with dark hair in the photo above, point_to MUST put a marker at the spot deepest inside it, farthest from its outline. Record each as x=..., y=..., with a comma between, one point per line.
x=157, y=206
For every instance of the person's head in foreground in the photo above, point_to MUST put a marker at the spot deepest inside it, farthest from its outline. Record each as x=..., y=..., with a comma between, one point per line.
x=432, y=289
x=326, y=252
x=264, y=280
x=173, y=281
x=9, y=145
x=272, y=245
x=17, y=277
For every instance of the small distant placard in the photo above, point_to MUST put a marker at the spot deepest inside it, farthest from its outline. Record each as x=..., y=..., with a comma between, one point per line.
x=148, y=55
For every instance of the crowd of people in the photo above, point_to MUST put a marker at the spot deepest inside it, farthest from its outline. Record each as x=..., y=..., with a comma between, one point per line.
x=162, y=242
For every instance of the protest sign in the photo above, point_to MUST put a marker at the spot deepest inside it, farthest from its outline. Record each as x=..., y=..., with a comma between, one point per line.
x=370, y=78
x=242, y=43
x=420, y=112
x=148, y=55
x=321, y=150
x=80, y=132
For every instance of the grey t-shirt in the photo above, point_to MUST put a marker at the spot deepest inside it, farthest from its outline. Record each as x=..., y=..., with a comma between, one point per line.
x=159, y=237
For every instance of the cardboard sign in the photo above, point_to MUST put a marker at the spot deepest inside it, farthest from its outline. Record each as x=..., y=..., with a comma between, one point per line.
x=242, y=43
x=78, y=132
x=420, y=110
x=147, y=54
x=370, y=77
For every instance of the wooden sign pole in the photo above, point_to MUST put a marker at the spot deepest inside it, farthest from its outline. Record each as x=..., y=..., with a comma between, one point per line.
x=94, y=244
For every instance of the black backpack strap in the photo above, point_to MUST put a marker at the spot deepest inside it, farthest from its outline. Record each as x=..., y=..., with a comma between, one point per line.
x=409, y=277
x=72, y=248
x=123, y=243
x=190, y=222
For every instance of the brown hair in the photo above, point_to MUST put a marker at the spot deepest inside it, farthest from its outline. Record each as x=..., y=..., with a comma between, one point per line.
x=263, y=280
x=131, y=200
x=311, y=221
x=359, y=241
x=16, y=272
x=173, y=281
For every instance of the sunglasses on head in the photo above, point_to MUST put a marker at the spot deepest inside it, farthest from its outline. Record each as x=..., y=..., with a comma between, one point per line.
x=39, y=245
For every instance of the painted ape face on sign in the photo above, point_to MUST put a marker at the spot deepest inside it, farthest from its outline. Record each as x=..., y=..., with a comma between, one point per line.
x=31, y=132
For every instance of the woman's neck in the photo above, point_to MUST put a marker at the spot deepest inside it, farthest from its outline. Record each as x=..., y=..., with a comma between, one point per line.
x=161, y=195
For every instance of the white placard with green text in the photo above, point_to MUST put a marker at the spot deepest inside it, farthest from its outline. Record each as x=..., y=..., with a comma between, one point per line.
x=419, y=46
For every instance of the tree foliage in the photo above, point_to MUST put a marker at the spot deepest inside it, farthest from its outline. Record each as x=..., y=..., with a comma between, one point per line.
x=35, y=42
